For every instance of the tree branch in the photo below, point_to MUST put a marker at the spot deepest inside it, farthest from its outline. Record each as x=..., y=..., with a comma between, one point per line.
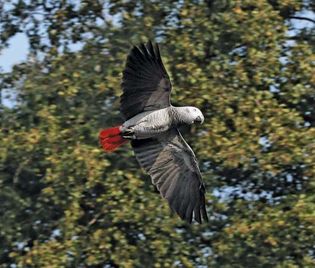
x=302, y=18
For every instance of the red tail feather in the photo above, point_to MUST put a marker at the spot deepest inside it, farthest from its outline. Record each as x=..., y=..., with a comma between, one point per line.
x=111, y=139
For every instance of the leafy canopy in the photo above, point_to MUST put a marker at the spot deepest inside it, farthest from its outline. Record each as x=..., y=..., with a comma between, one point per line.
x=249, y=66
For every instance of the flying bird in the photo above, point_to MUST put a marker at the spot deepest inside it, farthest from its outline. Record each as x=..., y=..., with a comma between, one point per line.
x=151, y=124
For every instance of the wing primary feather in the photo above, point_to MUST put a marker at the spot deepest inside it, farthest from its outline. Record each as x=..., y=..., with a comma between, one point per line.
x=159, y=59
x=189, y=212
x=151, y=50
x=138, y=54
x=203, y=204
x=145, y=52
x=184, y=200
x=158, y=54
x=197, y=213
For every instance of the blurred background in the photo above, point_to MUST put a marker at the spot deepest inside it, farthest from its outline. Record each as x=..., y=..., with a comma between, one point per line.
x=248, y=65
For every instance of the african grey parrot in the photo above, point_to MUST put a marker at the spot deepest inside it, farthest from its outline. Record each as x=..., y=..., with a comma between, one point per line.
x=152, y=126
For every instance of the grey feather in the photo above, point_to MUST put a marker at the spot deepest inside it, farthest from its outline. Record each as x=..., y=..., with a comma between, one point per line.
x=151, y=123
x=171, y=163
x=146, y=85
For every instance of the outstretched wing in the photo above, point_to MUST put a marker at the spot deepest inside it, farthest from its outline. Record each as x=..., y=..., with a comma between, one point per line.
x=146, y=85
x=173, y=168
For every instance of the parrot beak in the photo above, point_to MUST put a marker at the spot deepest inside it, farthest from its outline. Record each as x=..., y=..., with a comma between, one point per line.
x=199, y=120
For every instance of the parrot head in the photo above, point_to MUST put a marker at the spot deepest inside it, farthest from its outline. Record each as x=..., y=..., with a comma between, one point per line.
x=192, y=115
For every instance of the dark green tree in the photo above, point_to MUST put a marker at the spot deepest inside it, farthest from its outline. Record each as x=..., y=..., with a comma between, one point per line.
x=246, y=64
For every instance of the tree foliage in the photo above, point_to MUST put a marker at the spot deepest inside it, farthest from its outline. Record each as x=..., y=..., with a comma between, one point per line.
x=246, y=64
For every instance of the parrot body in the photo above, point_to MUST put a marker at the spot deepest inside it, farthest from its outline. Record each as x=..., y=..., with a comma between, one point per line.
x=151, y=124
x=147, y=124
